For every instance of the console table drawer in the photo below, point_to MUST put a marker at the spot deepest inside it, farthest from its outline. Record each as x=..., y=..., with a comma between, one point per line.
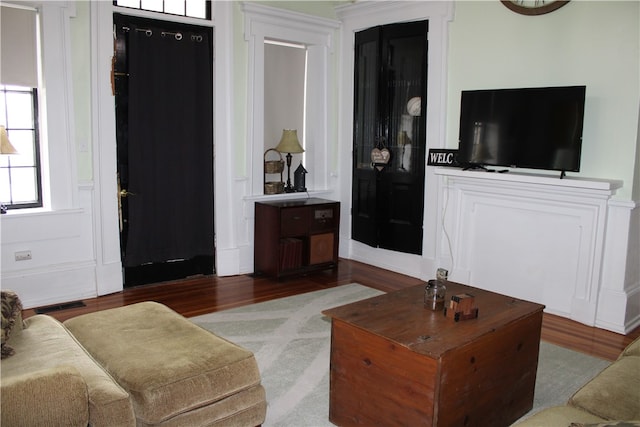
x=294, y=222
x=323, y=219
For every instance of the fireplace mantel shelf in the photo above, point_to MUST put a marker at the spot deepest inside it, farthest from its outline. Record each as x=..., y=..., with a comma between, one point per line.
x=531, y=178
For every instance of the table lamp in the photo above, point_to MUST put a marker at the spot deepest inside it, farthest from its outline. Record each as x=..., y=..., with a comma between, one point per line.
x=289, y=144
x=5, y=148
x=5, y=145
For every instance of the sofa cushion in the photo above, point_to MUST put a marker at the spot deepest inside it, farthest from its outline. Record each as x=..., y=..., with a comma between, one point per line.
x=632, y=349
x=558, y=416
x=614, y=393
x=11, y=308
x=45, y=343
x=245, y=408
x=168, y=364
x=60, y=396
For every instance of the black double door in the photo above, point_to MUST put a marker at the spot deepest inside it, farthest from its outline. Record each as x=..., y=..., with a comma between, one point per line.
x=164, y=119
x=389, y=136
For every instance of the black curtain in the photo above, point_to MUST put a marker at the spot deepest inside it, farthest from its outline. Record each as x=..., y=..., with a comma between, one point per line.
x=170, y=145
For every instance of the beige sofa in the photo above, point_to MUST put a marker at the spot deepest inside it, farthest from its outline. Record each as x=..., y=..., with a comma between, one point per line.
x=138, y=365
x=51, y=380
x=612, y=398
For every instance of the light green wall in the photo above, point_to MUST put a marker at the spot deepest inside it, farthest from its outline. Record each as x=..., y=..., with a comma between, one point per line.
x=595, y=43
x=592, y=43
x=81, y=66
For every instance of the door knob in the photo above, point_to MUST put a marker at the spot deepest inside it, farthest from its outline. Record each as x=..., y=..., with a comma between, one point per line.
x=125, y=193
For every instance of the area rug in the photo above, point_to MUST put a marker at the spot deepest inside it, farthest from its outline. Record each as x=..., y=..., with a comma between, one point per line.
x=291, y=341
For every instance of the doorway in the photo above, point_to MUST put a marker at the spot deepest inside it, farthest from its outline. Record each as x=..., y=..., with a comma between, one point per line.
x=164, y=127
x=389, y=136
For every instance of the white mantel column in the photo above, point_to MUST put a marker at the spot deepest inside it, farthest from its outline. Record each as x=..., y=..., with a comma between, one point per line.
x=619, y=299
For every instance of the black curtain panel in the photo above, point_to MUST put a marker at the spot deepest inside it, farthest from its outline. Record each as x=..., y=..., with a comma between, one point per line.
x=170, y=145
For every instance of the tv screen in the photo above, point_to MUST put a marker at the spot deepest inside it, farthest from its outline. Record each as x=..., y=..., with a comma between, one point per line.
x=536, y=128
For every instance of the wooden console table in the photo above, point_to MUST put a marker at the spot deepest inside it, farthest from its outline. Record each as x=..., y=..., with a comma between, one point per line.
x=296, y=236
x=394, y=362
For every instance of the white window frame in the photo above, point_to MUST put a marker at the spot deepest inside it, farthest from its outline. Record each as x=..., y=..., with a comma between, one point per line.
x=59, y=166
x=55, y=92
x=138, y=5
x=317, y=34
x=37, y=201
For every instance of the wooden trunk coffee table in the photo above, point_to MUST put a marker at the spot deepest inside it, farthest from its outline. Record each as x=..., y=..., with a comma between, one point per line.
x=395, y=362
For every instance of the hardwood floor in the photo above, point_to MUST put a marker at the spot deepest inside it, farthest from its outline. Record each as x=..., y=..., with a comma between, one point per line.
x=200, y=295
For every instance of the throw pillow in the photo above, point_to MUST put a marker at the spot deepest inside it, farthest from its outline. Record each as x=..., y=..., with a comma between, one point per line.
x=11, y=308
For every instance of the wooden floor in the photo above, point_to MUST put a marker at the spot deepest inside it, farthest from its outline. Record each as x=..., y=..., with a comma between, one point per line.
x=200, y=295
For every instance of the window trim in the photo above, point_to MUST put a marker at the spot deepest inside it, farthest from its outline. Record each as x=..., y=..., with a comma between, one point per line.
x=38, y=203
x=317, y=34
x=57, y=126
x=208, y=10
x=59, y=183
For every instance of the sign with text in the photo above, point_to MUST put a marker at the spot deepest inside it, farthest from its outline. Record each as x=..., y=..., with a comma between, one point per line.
x=442, y=157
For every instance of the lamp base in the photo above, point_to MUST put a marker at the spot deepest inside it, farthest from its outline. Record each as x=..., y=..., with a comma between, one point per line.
x=289, y=188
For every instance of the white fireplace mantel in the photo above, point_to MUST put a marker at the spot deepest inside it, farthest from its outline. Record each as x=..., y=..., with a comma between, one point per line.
x=535, y=237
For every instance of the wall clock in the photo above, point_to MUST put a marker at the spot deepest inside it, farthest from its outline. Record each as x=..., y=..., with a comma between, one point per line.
x=534, y=7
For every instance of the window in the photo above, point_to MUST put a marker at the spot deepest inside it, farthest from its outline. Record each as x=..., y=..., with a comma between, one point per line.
x=20, y=180
x=190, y=8
x=20, y=173
x=285, y=80
x=265, y=25
x=27, y=64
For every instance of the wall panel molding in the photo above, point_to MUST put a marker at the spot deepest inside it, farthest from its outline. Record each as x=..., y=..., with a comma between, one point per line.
x=63, y=263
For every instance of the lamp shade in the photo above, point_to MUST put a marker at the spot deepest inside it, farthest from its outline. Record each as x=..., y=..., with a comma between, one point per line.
x=289, y=142
x=5, y=146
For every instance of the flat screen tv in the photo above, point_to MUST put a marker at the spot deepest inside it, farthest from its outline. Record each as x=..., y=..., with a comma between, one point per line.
x=536, y=128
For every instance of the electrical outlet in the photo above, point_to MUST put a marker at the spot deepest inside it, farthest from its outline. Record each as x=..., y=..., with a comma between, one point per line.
x=23, y=255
